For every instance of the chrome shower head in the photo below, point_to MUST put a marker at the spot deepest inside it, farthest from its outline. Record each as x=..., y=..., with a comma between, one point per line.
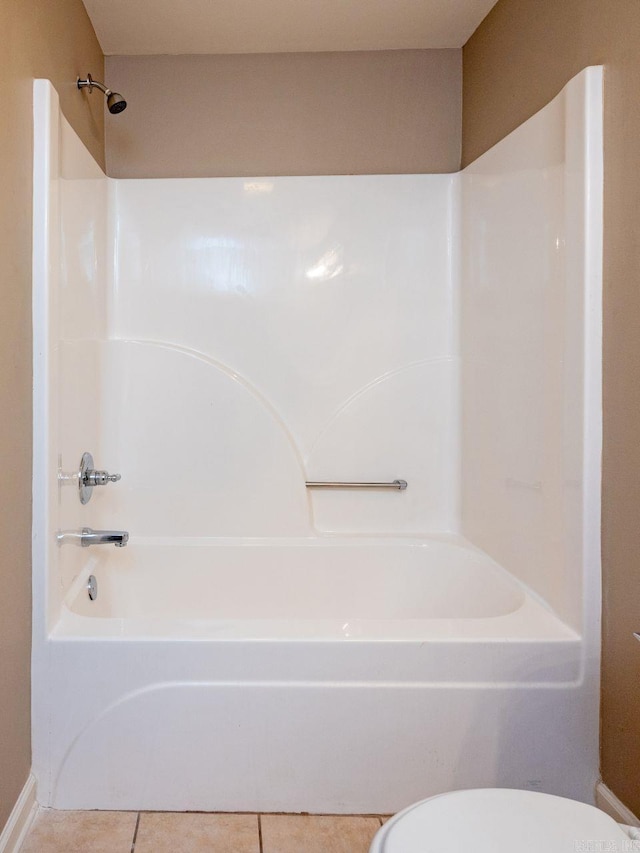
x=115, y=102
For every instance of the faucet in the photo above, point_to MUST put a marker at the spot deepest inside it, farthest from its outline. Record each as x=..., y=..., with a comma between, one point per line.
x=87, y=536
x=119, y=538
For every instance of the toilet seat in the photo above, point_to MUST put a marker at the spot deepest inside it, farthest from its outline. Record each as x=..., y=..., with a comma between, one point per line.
x=498, y=820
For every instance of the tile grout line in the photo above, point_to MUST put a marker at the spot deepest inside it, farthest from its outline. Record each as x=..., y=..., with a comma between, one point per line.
x=269, y=814
x=135, y=833
x=259, y=816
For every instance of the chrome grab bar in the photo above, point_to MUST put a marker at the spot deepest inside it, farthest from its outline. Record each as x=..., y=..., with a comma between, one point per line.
x=399, y=485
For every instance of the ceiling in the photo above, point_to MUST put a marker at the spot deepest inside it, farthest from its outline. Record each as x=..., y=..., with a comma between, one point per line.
x=279, y=26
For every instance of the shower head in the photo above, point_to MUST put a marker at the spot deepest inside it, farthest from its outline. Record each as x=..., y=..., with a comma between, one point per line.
x=115, y=102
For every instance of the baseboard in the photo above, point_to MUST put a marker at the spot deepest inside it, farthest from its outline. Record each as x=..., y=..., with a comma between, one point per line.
x=609, y=803
x=23, y=812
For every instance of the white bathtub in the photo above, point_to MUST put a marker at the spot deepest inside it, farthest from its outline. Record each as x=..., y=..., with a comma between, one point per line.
x=323, y=589
x=279, y=581
x=263, y=659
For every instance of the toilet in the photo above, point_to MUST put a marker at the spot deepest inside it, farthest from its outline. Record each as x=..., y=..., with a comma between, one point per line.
x=499, y=820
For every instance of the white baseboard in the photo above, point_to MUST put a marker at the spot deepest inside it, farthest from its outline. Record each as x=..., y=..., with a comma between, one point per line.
x=609, y=803
x=20, y=819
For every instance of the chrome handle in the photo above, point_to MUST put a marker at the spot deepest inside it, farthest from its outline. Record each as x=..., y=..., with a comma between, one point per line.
x=100, y=478
x=88, y=477
x=399, y=485
x=636, y=635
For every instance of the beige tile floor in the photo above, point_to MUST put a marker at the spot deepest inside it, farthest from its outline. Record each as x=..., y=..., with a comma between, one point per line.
x=195, y=832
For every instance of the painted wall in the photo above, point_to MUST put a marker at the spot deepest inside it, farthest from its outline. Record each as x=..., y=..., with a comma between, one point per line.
x=40, y=39
x=521, y=56
x=364, y=112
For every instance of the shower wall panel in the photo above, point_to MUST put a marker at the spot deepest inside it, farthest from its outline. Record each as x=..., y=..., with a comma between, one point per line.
x=272, y=331
x=70, y=254
x=530, y=348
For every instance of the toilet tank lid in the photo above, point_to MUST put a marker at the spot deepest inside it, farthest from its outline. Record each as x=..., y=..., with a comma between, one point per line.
x=499, y=820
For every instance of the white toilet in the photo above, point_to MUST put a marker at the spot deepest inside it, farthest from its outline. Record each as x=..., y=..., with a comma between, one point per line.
x=500, y=820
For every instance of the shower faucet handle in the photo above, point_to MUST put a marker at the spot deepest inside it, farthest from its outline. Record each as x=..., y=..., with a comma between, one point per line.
x=88, y=477
x=100, y=478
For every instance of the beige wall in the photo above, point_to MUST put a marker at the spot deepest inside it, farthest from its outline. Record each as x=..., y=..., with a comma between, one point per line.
x=54, y=39
x=517, y=60
x=286, y=114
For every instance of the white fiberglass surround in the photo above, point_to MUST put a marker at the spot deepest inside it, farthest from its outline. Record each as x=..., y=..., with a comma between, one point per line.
x=218, y=342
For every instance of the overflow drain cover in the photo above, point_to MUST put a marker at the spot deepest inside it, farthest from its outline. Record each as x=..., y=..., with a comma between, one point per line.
x=92, y=587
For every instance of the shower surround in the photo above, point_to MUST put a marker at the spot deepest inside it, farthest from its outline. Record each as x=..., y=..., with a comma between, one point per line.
x=260, y=646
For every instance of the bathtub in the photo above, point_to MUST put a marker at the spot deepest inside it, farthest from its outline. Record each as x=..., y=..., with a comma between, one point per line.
x=320, y=589
x=454, y=342
x=323, y=675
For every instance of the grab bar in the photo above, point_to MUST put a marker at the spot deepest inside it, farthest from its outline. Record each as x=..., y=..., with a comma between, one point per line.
x=399, y=485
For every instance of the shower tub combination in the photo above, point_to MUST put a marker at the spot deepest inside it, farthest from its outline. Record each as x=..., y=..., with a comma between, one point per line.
x=261, y=646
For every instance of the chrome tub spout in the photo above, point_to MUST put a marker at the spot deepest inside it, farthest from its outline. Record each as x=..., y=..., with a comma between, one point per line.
x=119, y=538
x=87, y=536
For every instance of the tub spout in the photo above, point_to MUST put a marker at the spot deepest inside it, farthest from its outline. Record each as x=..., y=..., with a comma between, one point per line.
x=119, y=538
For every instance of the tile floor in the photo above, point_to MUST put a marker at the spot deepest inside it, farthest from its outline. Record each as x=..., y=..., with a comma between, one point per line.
x=193, y=832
